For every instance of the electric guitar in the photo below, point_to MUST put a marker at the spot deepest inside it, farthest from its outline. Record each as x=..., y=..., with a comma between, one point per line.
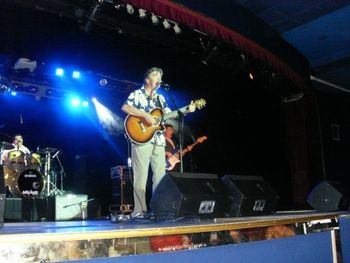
x=174, y=159
x=140, y=132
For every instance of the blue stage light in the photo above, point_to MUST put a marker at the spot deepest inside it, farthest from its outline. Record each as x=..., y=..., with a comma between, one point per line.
x=85, y=103
x=13, y=93
x=75, y=102
x=59, y=72
x=76, y=74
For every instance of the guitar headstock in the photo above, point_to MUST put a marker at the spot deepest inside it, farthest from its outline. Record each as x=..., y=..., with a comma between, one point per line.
x=200, y=103
x=201, y=139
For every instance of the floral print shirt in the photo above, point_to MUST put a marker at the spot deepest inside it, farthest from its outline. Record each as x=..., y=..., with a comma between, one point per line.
x=142, y=101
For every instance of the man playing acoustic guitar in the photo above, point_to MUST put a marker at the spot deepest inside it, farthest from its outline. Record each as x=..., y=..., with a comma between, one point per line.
x=145, y=131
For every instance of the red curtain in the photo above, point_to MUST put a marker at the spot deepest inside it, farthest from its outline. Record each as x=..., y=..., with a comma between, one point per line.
x=183, y=15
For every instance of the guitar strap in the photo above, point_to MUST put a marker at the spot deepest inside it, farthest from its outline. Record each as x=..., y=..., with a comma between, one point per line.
x=159, y=103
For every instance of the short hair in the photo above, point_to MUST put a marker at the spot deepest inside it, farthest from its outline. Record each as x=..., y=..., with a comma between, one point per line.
x=18, y=134
x=151, y=70
x=14, y=136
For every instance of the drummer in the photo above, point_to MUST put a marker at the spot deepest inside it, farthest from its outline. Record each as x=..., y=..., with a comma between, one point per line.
x=17, y=145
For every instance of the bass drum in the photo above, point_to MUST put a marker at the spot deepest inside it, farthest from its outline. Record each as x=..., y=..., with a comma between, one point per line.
x=28, y=183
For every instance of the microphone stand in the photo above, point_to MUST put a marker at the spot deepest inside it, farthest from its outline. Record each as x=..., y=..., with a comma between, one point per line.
x=181, y=137
x=180, y=120
x=82, y=206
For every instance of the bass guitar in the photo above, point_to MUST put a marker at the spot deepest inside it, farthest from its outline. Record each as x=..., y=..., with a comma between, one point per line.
x=175, y=158
x=140, y=132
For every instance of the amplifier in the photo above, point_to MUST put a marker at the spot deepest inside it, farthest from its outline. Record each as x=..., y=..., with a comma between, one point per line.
x=71, y=207
x=61, y=207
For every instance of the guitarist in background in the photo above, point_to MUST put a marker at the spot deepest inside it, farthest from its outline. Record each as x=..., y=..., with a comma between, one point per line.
x=172, y=147
x=139, y=103
x=172, y=150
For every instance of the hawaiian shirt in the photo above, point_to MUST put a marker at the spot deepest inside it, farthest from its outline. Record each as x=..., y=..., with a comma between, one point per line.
x=142, y=101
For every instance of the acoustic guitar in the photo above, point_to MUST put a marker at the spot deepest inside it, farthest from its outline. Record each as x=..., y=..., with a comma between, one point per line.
x=140, y=132
x=175, y=158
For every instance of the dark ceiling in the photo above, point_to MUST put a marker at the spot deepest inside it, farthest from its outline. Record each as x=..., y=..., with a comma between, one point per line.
x=319, y=29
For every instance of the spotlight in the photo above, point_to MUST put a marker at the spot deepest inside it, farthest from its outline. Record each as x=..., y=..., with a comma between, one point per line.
x=251, y=76
x=85, y=103
x=177, y=29
x=13, y=93
x=142, y=13
x=15, y=86
x=103, y=82
x=75, y=102
x=32, y=89
x=166, y=24
x=76, y=74
x=154, y=19
x=130, y=9
x=59, y=72
x=48, y=92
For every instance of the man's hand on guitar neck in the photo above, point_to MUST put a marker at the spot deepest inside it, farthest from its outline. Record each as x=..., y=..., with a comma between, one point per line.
x=189, y=147
x=191, y=107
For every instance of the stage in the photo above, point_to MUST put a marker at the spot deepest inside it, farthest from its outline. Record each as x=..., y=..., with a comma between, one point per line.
x=104, y=240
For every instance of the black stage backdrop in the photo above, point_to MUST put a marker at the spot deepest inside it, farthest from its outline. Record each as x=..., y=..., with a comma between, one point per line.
x=243, y=120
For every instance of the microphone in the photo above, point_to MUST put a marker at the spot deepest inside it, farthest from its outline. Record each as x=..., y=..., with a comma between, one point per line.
x=165, y=86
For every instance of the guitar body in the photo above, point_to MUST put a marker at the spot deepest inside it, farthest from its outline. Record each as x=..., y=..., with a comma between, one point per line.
x=137, y=129
x=141, y=133
x=171, y=161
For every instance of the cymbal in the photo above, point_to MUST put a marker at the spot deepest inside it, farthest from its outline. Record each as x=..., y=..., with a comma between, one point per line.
x=6, y=146
x=47, y=150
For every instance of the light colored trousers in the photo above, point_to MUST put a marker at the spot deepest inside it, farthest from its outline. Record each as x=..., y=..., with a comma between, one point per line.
x=142, y=156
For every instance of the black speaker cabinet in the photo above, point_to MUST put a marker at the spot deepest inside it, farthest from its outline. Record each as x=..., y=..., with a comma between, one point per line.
x=328, y=196
x=188, y=194
x=252, y=196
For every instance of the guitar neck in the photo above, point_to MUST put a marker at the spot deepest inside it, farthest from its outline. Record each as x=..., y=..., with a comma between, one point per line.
x=174, y=114
x=186, y=150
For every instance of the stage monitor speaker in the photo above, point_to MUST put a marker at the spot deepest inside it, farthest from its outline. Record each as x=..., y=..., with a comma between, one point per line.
x=329, y=196
x=252, y=196
x=190, y=194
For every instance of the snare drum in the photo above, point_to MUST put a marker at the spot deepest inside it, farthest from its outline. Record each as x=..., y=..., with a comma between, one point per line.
x=28, y=183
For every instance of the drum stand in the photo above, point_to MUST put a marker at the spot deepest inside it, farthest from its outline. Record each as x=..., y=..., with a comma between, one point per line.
x=51, y=188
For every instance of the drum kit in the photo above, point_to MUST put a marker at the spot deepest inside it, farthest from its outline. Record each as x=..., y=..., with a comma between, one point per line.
x=30, y=174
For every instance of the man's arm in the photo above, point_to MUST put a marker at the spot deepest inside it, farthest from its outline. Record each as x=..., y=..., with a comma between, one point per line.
x=138, y=113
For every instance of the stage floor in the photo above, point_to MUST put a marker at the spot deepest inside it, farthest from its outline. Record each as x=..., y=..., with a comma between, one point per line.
x=35, y=241
x=96, y=229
